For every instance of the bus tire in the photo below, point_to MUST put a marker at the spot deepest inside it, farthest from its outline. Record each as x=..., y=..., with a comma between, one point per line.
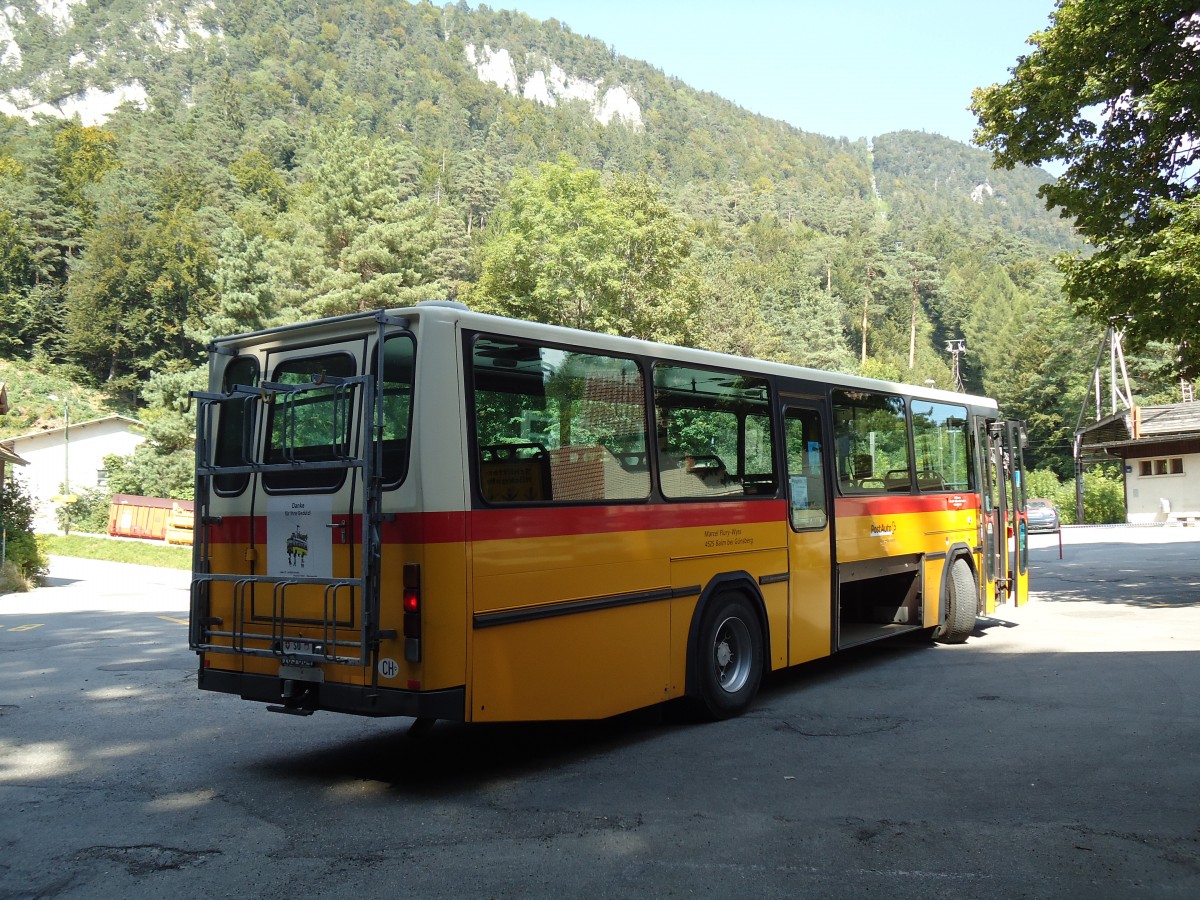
x=962, y=601
x=728, y=657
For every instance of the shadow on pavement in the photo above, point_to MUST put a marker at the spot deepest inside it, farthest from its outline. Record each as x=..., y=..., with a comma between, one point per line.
x=1119, y=572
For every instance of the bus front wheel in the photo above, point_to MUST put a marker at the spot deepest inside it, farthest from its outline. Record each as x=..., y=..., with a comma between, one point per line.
x=962, y=601
x=728, y=657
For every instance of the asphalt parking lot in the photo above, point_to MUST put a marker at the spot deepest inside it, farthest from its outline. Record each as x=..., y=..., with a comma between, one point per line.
x=1052, y=755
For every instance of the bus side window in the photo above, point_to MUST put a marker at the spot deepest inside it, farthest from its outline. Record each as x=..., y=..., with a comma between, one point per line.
x=942, y=440
x=871, y=431
x=557, y=425
x=714, y=434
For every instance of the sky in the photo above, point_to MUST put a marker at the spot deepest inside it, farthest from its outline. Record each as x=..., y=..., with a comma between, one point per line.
x=841, y=68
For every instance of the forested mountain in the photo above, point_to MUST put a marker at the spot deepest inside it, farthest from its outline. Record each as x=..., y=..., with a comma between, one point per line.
x=171, y=170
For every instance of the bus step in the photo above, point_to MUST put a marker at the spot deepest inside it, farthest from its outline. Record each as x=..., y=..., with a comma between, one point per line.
x=421, y=727
x=291, y=710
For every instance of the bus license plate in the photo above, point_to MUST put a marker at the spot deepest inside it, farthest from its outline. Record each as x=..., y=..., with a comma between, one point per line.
x=297, y=653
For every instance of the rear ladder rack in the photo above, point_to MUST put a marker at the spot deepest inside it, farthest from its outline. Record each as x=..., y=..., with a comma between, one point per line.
x=358, y=450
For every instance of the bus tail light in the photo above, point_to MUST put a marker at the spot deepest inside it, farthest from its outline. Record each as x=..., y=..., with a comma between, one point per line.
x=412, y=612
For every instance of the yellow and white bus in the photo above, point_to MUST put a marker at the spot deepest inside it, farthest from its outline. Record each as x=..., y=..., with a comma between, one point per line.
x=436, y=513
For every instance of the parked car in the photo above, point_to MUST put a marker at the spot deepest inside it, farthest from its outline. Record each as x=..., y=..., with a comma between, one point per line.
x=1043, y=515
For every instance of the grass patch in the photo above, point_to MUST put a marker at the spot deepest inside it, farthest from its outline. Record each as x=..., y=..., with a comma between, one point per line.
x=164, y=556
x=13, y=580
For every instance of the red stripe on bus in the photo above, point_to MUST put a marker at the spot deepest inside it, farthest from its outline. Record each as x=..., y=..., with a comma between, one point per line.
x=497, y=524
x=557, y=521
x=236, y=530
x=425, y=528
x=502, y=524
x=893, y=504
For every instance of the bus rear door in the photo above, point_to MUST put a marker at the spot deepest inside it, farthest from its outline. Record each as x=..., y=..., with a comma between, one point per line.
x=994, y=547
x=1018, y=526
x=284, y=595
x=1003, y=528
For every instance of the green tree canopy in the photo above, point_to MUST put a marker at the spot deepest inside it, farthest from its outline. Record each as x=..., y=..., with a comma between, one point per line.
x=570, y=250
x=358, y=235
x=133, y=294
x=1112, y=90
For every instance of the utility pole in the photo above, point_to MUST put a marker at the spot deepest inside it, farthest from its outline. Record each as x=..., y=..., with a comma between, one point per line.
x=912, y=326
x=866, y=308
x=67, y=499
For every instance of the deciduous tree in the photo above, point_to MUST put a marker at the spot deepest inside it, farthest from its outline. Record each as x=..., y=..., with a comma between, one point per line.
x=570, y=250
x=1112, y=91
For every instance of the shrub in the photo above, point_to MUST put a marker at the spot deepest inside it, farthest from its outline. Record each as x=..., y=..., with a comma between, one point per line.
x=16, y=522
x=1103, y=495
x=13, y=580
x=149, y=473
x=89, y=512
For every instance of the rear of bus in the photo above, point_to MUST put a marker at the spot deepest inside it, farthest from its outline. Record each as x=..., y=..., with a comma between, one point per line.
x=311, y=561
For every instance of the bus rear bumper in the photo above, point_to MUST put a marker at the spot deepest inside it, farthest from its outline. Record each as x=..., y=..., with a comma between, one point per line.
x=303, y=697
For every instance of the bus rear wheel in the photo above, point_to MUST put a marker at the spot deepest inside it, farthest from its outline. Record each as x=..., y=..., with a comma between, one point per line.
x=962, y=601
x=728, y=657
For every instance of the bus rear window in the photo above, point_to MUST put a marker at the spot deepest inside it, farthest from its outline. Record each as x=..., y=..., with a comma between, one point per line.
x=312, y=426
x=235, y=429
x=397, y=385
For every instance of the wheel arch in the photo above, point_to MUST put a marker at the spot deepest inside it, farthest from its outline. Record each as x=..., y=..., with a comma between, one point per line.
x=726, y=582
x=956, y=552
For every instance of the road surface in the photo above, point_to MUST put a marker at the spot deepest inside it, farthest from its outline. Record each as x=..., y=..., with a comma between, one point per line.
x=1052, y=755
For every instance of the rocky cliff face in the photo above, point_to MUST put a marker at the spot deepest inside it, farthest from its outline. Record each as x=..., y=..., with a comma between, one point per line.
x=175, y=27
x=48, y=90
x=549, y=85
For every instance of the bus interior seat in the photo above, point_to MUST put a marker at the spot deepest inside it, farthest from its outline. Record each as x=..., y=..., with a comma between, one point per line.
x=696, y=475
x=633, y=461
x=864, y=467
x=511, y=473
x=586, y=472
x=929, y=480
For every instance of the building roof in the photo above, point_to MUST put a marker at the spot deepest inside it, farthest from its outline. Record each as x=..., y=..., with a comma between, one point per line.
x=75, y=426
x=1143, y=425
x=7, y=454
x=1179, y=419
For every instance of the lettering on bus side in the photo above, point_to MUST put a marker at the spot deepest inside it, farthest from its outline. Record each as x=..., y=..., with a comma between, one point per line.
x=723, y=538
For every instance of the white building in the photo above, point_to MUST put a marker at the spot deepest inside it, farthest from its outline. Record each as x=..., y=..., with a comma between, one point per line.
x=72, y=454
x=1160, y=449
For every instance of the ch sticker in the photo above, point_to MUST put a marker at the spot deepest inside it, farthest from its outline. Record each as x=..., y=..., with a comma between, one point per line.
x=389, y=668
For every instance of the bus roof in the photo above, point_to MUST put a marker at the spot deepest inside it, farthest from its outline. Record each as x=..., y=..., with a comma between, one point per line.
x=458, y=313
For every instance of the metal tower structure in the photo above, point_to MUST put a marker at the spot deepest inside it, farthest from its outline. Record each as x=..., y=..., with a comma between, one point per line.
x=1120, y=399
x=956, y=348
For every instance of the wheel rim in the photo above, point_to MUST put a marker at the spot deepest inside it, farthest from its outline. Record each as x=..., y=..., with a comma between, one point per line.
x=732, y=655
